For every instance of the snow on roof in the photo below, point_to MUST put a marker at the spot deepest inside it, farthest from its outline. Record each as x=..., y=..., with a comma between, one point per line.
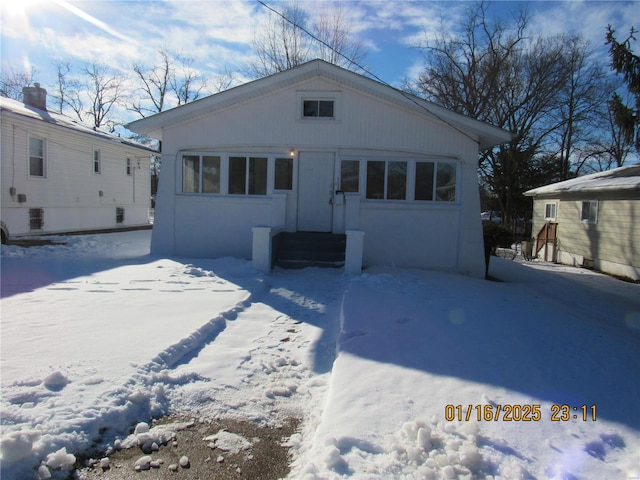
x=623, y=178
x=485, y=134
x=64, y=121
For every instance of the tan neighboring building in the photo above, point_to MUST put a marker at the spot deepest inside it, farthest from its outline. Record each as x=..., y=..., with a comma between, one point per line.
x=591, y=221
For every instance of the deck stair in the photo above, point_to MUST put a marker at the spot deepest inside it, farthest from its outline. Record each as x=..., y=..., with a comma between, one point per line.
x=309, y=249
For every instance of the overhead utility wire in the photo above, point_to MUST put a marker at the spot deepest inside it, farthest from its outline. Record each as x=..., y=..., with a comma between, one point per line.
x=371, y=74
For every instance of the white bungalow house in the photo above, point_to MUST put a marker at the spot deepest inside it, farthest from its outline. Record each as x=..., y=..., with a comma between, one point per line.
x=59, y=175
x=591, y=221
x=322, y=150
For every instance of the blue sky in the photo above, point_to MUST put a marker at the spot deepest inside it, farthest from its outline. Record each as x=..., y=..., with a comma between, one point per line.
x=217, y=34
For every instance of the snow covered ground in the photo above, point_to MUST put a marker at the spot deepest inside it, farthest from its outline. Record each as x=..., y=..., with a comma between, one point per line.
x=389, y=371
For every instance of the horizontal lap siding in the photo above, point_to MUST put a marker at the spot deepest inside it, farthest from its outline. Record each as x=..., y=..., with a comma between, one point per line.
x=614, y=238
x=218, y=226
x=70, y=191
x=412, y=237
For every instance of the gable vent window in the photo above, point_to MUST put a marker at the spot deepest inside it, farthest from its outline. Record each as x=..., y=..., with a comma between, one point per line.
x=35, y=219
x=119, y=215
x=318, y=109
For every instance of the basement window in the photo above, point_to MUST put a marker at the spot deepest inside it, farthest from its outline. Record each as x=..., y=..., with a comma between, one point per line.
x=36, y=218
x=589, y=211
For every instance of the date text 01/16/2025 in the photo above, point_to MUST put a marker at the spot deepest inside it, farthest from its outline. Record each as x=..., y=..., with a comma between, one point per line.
x=518, y=413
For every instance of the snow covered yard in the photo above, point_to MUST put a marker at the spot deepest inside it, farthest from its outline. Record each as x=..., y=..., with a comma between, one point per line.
x=389, y=371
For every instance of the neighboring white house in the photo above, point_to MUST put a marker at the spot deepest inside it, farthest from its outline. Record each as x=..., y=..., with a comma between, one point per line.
x=59, y=175
x=318, y=148
x=591, y=221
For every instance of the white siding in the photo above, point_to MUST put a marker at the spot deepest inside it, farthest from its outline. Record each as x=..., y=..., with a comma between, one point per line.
x=69, y=193
x=429, y=235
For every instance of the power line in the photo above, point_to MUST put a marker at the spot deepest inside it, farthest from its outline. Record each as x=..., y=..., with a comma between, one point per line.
x=365, y=70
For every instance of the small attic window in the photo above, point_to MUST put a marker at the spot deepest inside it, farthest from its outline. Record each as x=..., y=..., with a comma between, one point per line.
x=318, y=105
x=317, y=109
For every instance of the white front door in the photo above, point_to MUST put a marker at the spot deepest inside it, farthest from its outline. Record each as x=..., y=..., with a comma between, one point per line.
x=315, y=191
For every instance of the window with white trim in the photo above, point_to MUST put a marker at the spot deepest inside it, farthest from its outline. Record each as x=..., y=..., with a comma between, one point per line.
x=97, y=162
x=435, y=181
x=317, y=108
x=37, y=159
x=350, y=176
x=589, y=211
x=550, y=210
x=248, y=175
x=283, y=174
x=200, y=174
x=387, y=179
x=128, y=166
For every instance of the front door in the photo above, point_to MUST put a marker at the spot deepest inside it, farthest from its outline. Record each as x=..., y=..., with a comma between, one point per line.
x=315, y=191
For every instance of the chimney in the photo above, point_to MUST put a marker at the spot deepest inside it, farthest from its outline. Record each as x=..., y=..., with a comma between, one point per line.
x=35, y=96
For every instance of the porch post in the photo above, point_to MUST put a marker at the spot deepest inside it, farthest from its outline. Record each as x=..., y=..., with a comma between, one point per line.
x=354, y=251
x=261, y=248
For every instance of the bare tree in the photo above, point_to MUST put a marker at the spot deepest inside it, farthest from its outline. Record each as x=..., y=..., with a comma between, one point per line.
x=582, y=106
x=104, y=90
x=186, y=83
x=65, y=92
x=281, y=43
x=337, y=44
x=12, y=82
x=155, y=84
x=540, y=88
x=293, y=37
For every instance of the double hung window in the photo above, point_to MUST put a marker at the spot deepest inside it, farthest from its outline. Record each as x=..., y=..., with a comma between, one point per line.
x=36, y=157
x=550, y=211
x=97, y=167
x=589, y=211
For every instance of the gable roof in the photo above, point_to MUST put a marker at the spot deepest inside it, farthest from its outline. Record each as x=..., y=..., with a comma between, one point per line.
x=484, y=134
x=623, y=178
x=19, y=108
